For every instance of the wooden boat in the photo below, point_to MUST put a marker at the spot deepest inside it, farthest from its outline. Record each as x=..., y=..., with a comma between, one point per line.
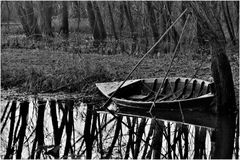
x=189, y=94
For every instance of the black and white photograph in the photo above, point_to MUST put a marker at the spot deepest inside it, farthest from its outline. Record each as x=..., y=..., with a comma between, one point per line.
x=119, y=79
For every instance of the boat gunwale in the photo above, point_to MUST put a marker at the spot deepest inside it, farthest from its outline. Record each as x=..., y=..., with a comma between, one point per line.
x=173, y=79
x=162, y=102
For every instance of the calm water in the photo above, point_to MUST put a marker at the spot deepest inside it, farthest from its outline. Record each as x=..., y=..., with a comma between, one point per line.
x=130, y=134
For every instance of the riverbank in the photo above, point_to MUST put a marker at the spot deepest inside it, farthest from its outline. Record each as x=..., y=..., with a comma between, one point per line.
x=48, y=71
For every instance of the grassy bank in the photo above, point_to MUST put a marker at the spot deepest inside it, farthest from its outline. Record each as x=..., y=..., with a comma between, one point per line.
x=38, y=71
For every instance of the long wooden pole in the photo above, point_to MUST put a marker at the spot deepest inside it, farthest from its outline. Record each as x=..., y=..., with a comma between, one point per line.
x=174, y=55
x=134, y=68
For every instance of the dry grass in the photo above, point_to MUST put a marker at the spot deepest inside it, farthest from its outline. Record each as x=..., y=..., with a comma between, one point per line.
x=74, y=65
x=43, y=70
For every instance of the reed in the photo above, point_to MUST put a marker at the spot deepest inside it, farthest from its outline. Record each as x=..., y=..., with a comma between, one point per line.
x=39, y=136
x=5, y=111
x=10, y=136
x=87, y=132
x=24, y=106
x=168, y=138
x=116, y=134
x=104, y=136
x=139, y=135
x=100, y=136
x=131, y=126
x=69, y=124
x=9, y=112
x=146, y=144
x=157, y=139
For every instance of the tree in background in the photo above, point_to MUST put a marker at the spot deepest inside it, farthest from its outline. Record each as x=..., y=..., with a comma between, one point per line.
x=121, y=25
x=228, y=21
x=96, y=23
x=153, y=23
x=127, y=10
x=64, y=28
x=144, y=36
x=127, y=22
x=236, y=4
x=93, y=24
x=32, y=20
x=174, y=34
x=28, y=19
x=77, y=12
x=103, y=34
x=45, y=16
x=112, y=21
x=6, y=14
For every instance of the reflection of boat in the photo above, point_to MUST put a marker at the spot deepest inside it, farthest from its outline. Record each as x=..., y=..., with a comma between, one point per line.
x=203, y=119
x=189, y=94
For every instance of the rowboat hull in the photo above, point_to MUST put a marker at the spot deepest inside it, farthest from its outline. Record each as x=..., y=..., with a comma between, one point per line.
x=185, y=93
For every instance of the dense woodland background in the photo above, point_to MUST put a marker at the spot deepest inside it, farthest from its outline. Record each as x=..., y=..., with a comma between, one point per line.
x=140, y=22
x=122, y=28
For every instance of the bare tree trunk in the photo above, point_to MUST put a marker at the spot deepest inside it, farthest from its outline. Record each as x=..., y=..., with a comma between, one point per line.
x=99, y=21
x=165, y=18
x=130, y=22
x=184, y=6
x=32, y=20
x=77, y=12
x=144, y=37
x=21, y=13
x=8, y=15
x=236, y=3
x=200, y=38
x=64, y=27
x=228, y=21
x=28, y=19
x=153, y=23
x=174, y=34
x=96, y=23
x=93, y=23
x=45, y=8
x=121, y=21
x=112, y=21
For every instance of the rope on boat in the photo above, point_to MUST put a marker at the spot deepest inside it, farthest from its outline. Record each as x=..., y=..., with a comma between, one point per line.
x=134, y=68
x=174, y=55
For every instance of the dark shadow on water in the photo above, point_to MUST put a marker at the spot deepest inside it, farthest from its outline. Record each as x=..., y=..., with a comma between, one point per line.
x=196, y=118
x=224, y=136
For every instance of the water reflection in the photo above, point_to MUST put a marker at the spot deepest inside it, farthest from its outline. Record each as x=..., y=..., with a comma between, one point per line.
x=71, y=129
